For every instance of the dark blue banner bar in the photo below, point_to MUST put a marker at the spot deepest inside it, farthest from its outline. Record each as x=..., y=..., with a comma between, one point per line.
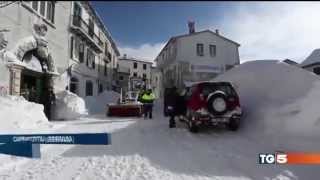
x=82, y=138
x=21, y=149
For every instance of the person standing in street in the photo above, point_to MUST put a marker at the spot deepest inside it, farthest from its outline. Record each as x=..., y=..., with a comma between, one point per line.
x=147, y=99
x=170, y=104
x=48, y=101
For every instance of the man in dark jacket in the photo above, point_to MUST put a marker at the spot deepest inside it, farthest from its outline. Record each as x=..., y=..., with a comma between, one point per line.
x=48, y=101
x=170, y=104
x=181, y=102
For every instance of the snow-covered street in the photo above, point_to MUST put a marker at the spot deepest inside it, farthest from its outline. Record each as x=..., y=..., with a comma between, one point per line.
x=148, y=149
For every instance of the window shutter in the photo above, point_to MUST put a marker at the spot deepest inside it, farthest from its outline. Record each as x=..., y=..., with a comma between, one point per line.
x=88, y=56
x=71, y=47
x=81, y=53
x=93, y=61
x=53, y=12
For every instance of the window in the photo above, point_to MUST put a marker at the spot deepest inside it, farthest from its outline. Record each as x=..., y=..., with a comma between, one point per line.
x=144, y=76
x=45, y=9
x=42, y=7
x=81, y=52
x=76, y=48
x=121, y=78
x=105, y=68
x=135, y=74
x=106, y=49
x=212, y=50
x=71, y=47
x=135, y=65
x=91, y=27
x=50, y=11
x=100, y=88
x=35, y=5
x=144, y=66
x=74, y=85
x=316, y=70
x=90, y=59
x=76, y=14
x=89, y=88
x=200, y=50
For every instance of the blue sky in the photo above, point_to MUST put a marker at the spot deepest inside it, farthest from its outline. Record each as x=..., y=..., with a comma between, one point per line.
x=265, y=30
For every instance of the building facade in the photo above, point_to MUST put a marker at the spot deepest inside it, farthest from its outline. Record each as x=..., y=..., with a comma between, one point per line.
x=156, y=81
x=139, y=69
x=312, y=62
x=58, y=44
x=196, y=56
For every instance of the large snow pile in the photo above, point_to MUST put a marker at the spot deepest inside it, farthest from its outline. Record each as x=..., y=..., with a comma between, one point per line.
x=16, y=112
x=69, y=106
x=98, y=104
x=277, y=98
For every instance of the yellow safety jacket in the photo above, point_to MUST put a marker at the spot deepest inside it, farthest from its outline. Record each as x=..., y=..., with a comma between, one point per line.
x=148, y=98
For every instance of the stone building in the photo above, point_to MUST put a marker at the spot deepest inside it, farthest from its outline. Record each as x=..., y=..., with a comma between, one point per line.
x=139, y=69
x=196, y=56
x=59, y=44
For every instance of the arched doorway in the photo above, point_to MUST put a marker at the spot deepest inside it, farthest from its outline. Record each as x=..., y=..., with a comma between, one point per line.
x=34, y=81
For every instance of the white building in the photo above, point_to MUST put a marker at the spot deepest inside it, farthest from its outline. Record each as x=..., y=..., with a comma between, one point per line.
x=156, y=81
x=62, y=44
x=196, y=56
x=312, y=62
x=140, y=69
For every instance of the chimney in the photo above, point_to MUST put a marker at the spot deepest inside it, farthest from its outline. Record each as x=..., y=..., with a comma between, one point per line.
x=217, y=31
x=191, y=27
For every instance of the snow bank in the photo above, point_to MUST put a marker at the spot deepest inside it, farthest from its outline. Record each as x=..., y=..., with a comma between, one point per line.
x=16, y=112
x=99, y=103
x=69, y=106
x=277, y=98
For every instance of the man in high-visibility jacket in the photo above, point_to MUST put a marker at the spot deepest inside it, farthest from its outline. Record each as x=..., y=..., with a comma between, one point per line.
x=147, y=100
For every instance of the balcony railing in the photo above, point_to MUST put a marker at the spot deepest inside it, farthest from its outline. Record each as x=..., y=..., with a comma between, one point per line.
x=77, y=21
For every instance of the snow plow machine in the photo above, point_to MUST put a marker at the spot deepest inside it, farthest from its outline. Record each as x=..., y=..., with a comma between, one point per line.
x=126, y=106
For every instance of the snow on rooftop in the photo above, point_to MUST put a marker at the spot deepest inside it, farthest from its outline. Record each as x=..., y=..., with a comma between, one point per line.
x=314, y=57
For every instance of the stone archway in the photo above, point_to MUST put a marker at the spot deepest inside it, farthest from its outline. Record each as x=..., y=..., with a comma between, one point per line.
x=37, y=44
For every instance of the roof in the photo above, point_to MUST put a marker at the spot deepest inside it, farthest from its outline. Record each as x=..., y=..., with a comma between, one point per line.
x=135, y=59
x=102, y=25
x=289, y=61
x=313, y=58
x=196, y=33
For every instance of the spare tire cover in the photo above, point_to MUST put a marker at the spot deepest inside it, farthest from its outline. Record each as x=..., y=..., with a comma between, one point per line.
x=217, y=103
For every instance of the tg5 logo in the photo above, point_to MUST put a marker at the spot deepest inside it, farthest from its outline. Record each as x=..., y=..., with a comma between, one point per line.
x=277, y=158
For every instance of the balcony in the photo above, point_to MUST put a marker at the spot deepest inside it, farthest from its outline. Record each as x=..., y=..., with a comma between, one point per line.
x=82, y=29
x=107, y=57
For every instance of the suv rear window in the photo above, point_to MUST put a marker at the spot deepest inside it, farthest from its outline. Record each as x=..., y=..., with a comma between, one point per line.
x=212, y=87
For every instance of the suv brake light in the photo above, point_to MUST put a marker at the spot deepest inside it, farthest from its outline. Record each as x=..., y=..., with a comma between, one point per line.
x=233, y=102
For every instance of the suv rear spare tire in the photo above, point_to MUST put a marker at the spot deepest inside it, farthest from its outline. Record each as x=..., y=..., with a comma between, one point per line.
x=217, y=103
